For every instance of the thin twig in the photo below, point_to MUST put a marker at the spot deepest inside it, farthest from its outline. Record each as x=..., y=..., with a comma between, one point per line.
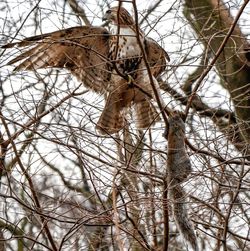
x=31, y=185
x=163, y=109
x=221, y=48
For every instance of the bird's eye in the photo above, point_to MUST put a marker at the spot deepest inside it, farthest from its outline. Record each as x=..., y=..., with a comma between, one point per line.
x=108, y=11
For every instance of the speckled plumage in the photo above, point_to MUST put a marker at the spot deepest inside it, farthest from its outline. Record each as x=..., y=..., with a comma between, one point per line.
x=91, y=53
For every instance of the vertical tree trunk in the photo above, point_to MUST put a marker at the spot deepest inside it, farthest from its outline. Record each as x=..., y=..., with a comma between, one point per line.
x=212, y=20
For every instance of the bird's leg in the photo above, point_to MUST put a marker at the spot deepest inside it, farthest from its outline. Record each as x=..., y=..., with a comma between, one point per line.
x=130, y=80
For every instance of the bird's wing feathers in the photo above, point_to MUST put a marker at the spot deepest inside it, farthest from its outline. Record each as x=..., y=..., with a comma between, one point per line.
x=85, y=52
x=82, y=50
x=156, y=56
x=123, y=95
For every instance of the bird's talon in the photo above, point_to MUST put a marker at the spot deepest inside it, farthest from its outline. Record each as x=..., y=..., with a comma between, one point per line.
x=130, y=80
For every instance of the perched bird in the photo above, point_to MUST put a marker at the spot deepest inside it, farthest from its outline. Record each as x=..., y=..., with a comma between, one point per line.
x=107, y=62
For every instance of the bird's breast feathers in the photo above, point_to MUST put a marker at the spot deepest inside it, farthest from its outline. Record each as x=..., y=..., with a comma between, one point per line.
x=128, y=44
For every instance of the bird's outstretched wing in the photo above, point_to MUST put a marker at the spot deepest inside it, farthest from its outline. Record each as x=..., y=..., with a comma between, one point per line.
x=82, y=50
x=85, y=51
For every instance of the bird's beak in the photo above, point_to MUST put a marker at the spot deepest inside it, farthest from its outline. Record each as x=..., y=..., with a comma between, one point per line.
x=105, y=18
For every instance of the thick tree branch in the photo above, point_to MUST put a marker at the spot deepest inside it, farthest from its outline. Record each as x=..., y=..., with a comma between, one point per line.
x=217, y=29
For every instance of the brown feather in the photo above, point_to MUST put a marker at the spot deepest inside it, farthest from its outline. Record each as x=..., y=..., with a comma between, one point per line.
x=114, y=13
x=156, y=56
x=146, y=114
x=112, y=118
x=82, y=50
x=87, y=52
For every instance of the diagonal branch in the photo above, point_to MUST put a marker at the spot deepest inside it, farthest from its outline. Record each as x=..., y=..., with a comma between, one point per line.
x=220, y=50
x=79, y=11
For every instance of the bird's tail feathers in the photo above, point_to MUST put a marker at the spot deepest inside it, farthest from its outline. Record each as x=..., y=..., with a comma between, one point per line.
x=111, y=119
x=146, y=114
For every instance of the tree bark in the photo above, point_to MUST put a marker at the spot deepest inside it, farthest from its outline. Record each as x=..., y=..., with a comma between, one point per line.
x=211, y=21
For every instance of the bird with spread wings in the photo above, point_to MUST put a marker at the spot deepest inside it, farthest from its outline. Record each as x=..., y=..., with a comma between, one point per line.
x=107, y=62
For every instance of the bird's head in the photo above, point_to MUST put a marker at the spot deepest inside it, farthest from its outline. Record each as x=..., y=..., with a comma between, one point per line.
x=112, y=14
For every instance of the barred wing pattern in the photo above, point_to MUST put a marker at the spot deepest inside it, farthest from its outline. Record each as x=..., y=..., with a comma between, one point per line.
x=86, y=52
x=82, y=50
